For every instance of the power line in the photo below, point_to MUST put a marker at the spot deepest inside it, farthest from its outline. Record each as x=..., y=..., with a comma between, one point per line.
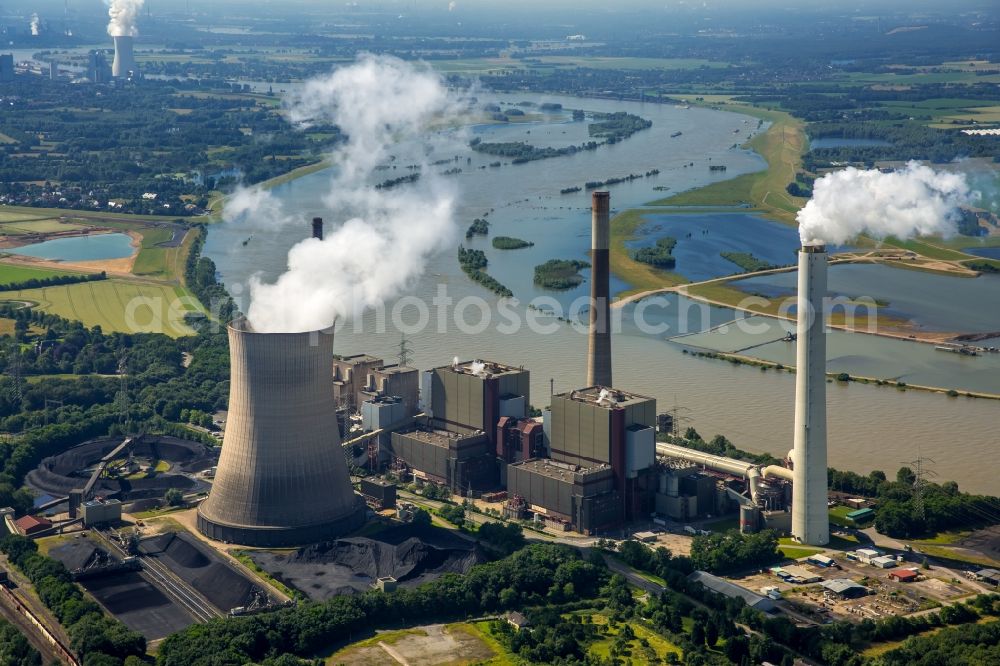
x=920, y=481
x=404, y=351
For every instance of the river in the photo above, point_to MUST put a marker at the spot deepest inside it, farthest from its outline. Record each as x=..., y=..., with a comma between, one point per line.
x=870, y=427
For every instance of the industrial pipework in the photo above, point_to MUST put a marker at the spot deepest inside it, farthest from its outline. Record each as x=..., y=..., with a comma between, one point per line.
x=599, y=347
x=810, y=519
x=752, y=472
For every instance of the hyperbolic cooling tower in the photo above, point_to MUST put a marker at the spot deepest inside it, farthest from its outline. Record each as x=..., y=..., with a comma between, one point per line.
x=599, y=348
x=810, y=521
x=282, y=477
x=124, y=61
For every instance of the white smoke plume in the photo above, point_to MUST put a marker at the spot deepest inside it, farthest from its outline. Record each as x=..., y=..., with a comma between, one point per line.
x=256, y=208
x=377, y=102
x=123, y=14
x=914, y=201
x=36, y=25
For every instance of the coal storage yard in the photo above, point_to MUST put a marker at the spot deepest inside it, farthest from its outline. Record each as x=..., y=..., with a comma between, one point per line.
x=202, y=569
x=126, y=594
x=59, y=474
x=410, y=554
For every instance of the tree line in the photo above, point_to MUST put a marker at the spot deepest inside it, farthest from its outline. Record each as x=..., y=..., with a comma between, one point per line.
x=54, y=281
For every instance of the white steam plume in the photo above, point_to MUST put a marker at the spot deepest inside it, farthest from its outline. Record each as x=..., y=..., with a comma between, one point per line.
x=914, y=201
x=377, y=103
x=36, y=25
x=123, y=14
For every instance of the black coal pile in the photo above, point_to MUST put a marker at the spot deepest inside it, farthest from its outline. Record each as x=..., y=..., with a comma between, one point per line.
x=410, y=555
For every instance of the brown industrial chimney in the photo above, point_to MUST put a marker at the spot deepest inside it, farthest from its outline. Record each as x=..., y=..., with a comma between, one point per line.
x=599, y=351
x=318, y=228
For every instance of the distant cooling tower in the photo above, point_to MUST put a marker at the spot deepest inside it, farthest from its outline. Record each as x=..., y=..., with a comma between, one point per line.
x=599, y=348
x=124, y=61
x=282, y=477
x=810, y=520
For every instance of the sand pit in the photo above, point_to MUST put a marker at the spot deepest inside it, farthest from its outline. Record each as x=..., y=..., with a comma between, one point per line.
x=410, y=554
x=201, y=568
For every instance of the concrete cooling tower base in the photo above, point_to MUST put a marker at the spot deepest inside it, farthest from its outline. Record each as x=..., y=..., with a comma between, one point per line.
x=282, y=477
x=277, y=537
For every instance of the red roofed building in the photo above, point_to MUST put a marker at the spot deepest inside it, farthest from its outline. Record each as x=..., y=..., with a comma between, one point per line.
x=29, y=525
x=904, y=575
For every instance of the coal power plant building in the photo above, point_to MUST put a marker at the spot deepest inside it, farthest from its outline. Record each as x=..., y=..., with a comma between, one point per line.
x=582, y=497
x=282, y=477
x=603, y=451
x=456, y=441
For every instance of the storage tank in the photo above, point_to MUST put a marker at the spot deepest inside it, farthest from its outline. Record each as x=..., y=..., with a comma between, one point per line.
x=749, y=518
x=673, y=485
x=282, y=478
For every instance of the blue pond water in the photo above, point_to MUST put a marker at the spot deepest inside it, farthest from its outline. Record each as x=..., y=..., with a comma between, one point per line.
x=839, y=142
x=80, y=248
x=702, y=236
x=932, y=302
x=988, y=252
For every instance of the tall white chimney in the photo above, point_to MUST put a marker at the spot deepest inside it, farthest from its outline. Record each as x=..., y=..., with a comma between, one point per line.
x=810, y=520
x=124, y=61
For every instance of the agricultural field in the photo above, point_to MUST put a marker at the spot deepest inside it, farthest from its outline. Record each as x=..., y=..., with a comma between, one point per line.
x=116, y=305
x=10, y=273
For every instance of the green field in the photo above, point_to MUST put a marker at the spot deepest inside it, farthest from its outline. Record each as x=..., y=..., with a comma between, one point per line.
x=153, y=261
x=109, y=303
x=658, y=645
x=13, y=273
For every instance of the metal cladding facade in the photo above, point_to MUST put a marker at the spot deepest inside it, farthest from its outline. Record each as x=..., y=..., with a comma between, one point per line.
x=282, y=477
x=810, y=520
x=124, y=61
x=599, y=349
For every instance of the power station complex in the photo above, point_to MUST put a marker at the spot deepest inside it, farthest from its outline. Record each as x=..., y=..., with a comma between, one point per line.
x=588, y=462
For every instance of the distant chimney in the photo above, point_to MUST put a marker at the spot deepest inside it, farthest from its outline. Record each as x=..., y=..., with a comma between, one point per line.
x=599, y=350
x=318, y=228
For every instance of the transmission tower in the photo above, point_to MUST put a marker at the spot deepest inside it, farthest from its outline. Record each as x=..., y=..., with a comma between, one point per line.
x=122, y=399
x=404, y=351
x=14, y=372
x=920, y=480
x=677, y=415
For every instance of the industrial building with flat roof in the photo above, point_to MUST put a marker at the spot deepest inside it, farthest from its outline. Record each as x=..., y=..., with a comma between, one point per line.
x=732, y=590
x=602, y=443
x=845, y=587
x=583, y=497
x=460, y=461
x=362, y=378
